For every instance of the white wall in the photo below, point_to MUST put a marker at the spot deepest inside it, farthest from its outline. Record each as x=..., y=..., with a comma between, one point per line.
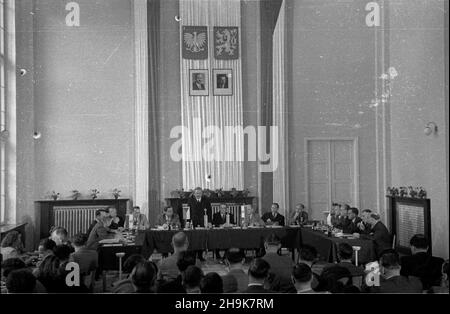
x=331, y=86
x=84, y=97
x=420, y=95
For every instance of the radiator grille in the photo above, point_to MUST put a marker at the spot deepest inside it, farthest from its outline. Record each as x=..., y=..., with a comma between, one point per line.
x=75, y=219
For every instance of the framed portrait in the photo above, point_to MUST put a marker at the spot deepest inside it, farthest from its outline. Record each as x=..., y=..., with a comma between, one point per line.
x=223, y=82
x=198, y=83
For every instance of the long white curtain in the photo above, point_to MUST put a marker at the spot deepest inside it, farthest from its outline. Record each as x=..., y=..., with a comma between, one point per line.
x=225, y=170
x=280, y=177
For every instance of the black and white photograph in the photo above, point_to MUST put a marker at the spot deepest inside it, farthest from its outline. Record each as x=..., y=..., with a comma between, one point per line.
x=223, y=82
x=223, y=155
x=199, y=83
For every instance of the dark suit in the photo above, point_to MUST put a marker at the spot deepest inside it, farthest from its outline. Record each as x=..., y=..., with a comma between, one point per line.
x=424, y=266
x=398, y=284
x=197, y=86
x=380, y=236
x=197, y=210
x=218, y=220
x=280, y=273
x=257, y=289
x=86, y=259
x=341, y=222
x=91, y=226
x=235, y=281
x=352, y=226
x=120, y=224
x=279, y=218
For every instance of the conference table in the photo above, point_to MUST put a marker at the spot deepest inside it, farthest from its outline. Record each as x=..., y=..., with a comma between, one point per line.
x=148, y=241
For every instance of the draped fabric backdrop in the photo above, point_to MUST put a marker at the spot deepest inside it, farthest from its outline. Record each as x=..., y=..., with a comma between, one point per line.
x=224, y=169
x=280, y=177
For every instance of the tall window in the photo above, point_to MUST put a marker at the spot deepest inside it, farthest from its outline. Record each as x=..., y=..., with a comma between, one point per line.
x=7, y=97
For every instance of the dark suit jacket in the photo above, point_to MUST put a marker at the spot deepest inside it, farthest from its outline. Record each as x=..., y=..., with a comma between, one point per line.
x=352, y=226
x=341, y=222
x=257, y=289
x=198, y=87
x=235, y=281
x=381, y=237
x=197, y=210
x=218, y=220
x=280, y=272
x=174, y=286
x=86, y=259
x=398, y=284
x=424, y=266
x=91, y=226
x=279, y=218
x=98, y=233
x=120, y=224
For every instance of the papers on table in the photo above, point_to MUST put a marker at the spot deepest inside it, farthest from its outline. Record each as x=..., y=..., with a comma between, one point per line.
x=110, y=241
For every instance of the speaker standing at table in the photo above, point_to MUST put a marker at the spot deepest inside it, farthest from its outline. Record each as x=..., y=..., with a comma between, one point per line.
x=199, y=205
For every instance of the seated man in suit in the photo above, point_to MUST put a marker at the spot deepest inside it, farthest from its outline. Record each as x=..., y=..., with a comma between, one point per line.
x=168, y=219
x=391, y=281
x=379, y=234
x=302, y=278
x=364, y=226
x=421, y=264
x=252, y=218
x=309, y=256
x=168, y=269
x=444, y=284
x=353, y=221
x=117, y=222
x=341, y=219
x=185, y=259
x=273, y=217
x=299, y=216
x=126, y=285
x=258, y=274
x=191, y=279
x=345, y=254
x=332, y=218
x=220, y=220
x=85, y=258
x=280, y=266
x=236, y=280
x=135, y=220
x=99, y=215
x=60, y=236
x=100, y=232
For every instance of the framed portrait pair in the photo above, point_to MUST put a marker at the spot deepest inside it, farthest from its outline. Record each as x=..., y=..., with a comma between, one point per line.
x=222, y=82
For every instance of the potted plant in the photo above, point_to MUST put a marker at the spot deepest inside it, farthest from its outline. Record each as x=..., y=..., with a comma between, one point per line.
x=412, y=192
x=403, y=191
x=94, y=193
x=55, y=196
x=422, y=193
x=116, y=193
x=75, y=194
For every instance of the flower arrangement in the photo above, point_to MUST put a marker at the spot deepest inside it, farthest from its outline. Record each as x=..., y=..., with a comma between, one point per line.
x=410, y=191
x=55, y=196
x=116, y=193
x=422, y=193
x=75, y=194
x=94, y=193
